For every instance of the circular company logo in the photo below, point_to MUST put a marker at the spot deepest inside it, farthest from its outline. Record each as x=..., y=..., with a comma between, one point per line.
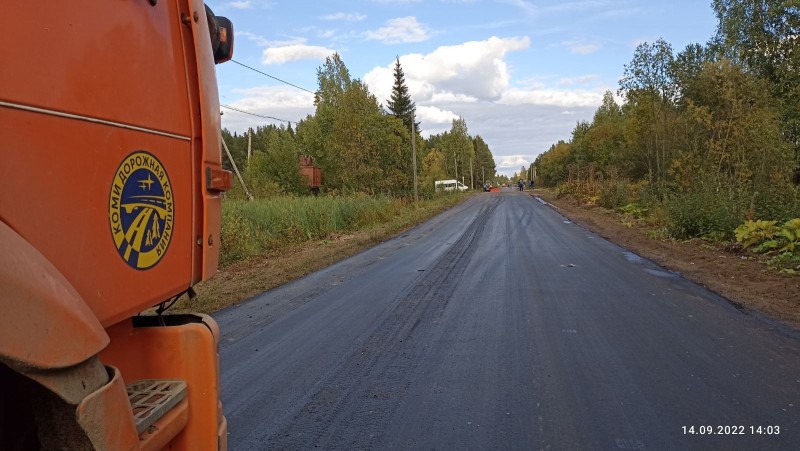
x=141, y=210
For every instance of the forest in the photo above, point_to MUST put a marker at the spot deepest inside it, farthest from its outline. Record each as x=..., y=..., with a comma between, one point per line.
x=362, y=148
x=702, y=142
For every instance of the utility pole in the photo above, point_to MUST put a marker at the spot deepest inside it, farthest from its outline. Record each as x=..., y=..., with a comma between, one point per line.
x=414, y=153
x=455, y=162
x=235, y=169
x=249, y=142
x=471, y=178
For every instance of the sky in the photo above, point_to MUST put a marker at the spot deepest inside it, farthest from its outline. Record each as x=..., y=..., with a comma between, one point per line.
x=521, y=73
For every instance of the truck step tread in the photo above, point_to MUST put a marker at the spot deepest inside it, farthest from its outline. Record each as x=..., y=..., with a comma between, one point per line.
x=152, y=398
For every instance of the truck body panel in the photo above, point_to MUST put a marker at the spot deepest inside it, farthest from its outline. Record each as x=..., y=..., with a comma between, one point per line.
x=110, y=203
x=187, y=349
x=117, y=80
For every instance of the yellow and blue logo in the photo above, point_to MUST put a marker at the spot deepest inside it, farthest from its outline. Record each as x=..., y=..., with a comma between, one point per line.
x=141, y=210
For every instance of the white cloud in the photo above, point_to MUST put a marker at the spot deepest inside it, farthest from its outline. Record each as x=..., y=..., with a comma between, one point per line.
x=380, y=80
x=562, y=98
x=451, y=97
x=347, y=17
x=585, y=49
x=534, y=82
x=581, y=47
x=433, y=115
x=399, y=30
x=244, y=4
x=514, y=162
x=258, y=39
x=475, y=69
x=330, y=34
x=295, y=52
x=283, y=102
x=286, y=42
x=571, y=81
x=261, y=41
x=466, y=72
x=274, y=96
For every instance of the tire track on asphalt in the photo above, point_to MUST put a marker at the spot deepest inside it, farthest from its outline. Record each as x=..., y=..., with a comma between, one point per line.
x=351, y=406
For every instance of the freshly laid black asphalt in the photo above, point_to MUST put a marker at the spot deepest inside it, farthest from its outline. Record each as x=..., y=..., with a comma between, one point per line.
x=501, y=325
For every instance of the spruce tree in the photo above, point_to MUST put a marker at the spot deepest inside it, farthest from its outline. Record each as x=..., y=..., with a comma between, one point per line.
x=400, y=104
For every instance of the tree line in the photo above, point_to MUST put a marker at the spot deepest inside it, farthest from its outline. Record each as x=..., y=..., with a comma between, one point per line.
x=360, y=147
x=704, y=138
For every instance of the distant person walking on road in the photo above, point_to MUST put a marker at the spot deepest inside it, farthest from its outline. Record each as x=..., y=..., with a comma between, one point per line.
x=521, y=185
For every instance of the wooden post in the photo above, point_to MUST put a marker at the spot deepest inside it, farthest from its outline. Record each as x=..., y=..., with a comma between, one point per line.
x=414, y=154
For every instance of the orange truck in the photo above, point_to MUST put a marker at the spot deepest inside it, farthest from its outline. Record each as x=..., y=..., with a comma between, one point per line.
x=110, y=195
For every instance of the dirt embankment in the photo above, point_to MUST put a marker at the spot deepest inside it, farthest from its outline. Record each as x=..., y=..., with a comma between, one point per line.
x=744, y=280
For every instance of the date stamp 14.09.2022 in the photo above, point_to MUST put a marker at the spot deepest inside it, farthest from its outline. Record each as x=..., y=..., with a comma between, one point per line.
x=731, y=430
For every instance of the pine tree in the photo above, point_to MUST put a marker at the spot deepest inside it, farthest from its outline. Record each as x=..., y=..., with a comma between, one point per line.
x=400, y=104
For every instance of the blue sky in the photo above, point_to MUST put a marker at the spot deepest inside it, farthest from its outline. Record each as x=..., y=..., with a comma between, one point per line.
x=521, y=73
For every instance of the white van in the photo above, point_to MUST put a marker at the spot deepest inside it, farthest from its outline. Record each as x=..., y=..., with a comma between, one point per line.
x=449, y=185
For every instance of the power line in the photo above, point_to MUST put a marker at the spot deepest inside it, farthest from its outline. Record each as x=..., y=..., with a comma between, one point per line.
x=256, y=114
x=274, y=78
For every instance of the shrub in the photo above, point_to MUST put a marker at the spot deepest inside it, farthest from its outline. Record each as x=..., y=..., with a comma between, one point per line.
x=566, y=189
x=781, y=202
x=614, y=195
x=702, y=213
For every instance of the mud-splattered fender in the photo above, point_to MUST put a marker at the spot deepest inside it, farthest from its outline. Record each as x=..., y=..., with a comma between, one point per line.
x=44, y=323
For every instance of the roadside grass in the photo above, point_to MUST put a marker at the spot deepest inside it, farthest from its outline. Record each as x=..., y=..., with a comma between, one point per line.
x=253, y=228
x=266, y=243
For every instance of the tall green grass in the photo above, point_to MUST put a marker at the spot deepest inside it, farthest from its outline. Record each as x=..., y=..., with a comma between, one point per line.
x=250, y=228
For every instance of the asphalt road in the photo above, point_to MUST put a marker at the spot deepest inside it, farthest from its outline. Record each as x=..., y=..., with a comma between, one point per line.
x=500, y=325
